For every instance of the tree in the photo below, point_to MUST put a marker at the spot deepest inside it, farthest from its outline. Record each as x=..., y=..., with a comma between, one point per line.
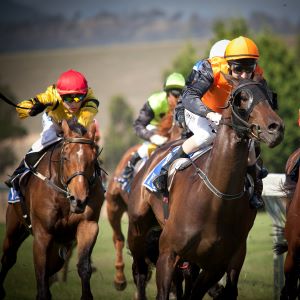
x=120, y=134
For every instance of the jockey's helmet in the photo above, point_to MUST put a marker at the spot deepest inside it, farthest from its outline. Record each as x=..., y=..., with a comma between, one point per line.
x=174, y=81
x=71, y=82
x=218, y=48
x=241, y=48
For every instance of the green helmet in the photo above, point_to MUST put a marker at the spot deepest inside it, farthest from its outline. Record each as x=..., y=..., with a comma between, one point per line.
x=174, y=81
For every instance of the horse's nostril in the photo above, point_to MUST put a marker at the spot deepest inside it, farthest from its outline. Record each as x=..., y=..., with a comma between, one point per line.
x=274, y=127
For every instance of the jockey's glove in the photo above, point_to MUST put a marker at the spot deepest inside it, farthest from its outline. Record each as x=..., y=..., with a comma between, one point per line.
x=24, y=108
x=37, y=108
x=214, y=117
x=158, y=140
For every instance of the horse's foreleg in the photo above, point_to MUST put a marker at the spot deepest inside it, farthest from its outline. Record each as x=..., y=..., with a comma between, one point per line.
x=290, y=290
x=41, y=245
x=115, y=211
x=87, y=233
x=140, y=269
x=165, y=267
x=16, y=233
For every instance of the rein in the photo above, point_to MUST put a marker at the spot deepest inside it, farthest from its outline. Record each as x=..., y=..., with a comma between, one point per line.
x=212, y=188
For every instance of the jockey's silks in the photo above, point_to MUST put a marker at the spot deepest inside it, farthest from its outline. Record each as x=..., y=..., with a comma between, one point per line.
x=56, y=110
x=219, y=91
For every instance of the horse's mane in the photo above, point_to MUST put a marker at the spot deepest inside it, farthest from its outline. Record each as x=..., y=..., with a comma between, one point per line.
x=77, y=128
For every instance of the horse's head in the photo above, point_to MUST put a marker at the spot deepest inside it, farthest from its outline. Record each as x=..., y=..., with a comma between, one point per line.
x=251, y=113
x=78, y=163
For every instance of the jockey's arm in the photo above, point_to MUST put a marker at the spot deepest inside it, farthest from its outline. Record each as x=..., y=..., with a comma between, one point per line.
x=198, y=83
x=88, y=112
x=36, y=105
x=145, y=117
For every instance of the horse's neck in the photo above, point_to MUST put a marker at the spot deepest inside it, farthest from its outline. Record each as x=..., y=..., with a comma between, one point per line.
x=228, y=161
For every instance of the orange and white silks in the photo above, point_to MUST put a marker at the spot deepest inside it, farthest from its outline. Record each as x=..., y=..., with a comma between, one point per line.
x=216, y=96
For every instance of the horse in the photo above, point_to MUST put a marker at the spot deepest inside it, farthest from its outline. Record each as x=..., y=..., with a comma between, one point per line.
x=63, y=198
x=291, y=187
x=117, y=198
x=209, y=214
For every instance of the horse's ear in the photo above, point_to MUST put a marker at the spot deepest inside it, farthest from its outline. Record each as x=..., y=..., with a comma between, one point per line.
x=92, y=131
x=65, y=127
x=231, y=80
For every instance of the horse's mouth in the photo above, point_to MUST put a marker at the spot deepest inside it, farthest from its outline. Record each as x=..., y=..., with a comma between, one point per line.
x=272, y=139
x=77, y=206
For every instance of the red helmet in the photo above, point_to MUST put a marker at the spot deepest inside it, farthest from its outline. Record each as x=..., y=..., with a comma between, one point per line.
x=71, y=82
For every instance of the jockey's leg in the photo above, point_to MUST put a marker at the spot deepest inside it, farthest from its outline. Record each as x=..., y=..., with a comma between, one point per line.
x=160, y=182
x=203, y=136
x=19, y=170
x=129, y=169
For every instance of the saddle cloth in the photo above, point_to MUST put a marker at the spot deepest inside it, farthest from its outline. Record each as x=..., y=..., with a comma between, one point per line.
x=178, y=165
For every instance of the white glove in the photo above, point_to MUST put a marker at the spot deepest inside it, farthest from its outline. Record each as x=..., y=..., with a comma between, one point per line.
x=157, y=139
x=214, y=117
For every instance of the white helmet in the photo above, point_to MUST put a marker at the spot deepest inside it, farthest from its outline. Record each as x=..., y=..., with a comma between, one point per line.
x=218, y=48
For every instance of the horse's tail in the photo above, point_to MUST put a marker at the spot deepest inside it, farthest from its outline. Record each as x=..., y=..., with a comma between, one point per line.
x=280, y=248
x=152, y=240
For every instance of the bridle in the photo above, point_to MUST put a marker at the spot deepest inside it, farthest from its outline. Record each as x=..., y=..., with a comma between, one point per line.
x=91, y=179
x=239, y=120
x=65, y=190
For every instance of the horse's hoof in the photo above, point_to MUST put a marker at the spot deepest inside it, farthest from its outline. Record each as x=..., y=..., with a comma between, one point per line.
x=120, y=286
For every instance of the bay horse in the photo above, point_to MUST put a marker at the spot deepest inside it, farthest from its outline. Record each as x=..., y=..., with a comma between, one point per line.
x=291, y=187
x=209, y=213
x=63, y=197
x=117, y=198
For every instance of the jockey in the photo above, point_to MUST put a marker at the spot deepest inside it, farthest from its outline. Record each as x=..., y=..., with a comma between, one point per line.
x=207, y=90
x=69, y=98
x=150, y=116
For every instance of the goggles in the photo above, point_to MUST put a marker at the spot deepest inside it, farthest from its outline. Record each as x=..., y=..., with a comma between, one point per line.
x=239, y=69
x=69, y=98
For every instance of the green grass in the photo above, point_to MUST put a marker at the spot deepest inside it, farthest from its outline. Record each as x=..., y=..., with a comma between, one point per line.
x=256, y=279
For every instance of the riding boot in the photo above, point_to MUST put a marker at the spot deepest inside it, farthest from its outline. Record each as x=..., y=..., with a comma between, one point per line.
x=256, y=200
x=160, y=182
x=19, y=170
x=129, y=169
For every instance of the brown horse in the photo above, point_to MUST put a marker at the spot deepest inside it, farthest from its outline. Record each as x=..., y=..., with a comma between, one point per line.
x=63, y=200
x=209, y=213
x=291, y=289
x=117, y=198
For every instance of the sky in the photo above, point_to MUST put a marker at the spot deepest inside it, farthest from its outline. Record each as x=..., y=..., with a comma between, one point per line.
x=230, y=8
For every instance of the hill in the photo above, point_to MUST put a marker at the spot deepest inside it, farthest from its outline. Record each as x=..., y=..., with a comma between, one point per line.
x=132, y=70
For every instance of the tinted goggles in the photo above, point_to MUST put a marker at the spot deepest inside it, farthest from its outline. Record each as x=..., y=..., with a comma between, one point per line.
x=69, y=98
x=239, y=69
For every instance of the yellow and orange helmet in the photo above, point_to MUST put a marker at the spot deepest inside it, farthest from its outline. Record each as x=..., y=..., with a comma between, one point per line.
x=240, y=48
